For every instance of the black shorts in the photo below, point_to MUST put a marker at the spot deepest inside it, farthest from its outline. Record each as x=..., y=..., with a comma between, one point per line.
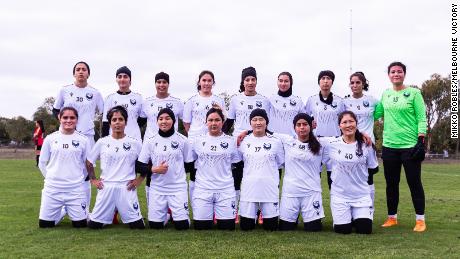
x=398, y=154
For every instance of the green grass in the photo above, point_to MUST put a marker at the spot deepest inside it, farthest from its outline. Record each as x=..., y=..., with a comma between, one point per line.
x=20, y=190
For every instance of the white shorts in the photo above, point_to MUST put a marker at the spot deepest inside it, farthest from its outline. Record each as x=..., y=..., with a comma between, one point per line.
x=54, y=201
x=206, y=203
x=310, y=206
x=343, y=212
x=116, y=196
x=249, y=209
x=159, y=204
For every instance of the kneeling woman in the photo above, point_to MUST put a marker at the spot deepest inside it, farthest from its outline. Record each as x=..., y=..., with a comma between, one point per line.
x=62, y=163
x=214, y=192
x=351, y=162
x=302, y=182
x=167, y=151
x=117, y=184
x=262, y=155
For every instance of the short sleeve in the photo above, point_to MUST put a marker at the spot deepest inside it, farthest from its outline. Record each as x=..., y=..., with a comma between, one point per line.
x=187, y=113
x=191, y=155
x=144, y=156
x=232, y=109
x=95, y=153
x=371, y=158
x=106, y=108
x=99, y=102
x=280, y=153
x=59, y=102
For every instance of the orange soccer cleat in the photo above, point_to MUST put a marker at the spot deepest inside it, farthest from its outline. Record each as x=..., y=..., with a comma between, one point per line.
x=390, y=222
x=420, y=225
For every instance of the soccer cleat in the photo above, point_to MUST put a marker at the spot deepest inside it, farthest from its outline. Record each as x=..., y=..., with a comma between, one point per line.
x=390, y=222
x=260, y=221
x=420, y=225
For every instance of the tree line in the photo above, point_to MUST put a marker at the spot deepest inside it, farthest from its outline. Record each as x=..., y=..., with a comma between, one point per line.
x=435, y=91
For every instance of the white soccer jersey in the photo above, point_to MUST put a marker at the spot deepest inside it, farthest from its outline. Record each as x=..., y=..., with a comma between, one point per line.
x=118, y=157
x=152, y=105
x=241, y=107
x=173, y=150
x=132, y=102
x=282, y=113
x=326, y=116
x=262, y=157
x=66, y=156
x=301, y=168
x=87, y=101
x=364, y=108
x=214, y=157
x=195, y=110
x=349, y=168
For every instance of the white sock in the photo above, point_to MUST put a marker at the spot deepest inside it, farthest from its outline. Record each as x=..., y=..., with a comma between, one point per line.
x=395, y=216
x=419, y=217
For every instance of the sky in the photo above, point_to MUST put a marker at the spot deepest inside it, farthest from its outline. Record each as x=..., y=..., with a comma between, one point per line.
x=42, y=40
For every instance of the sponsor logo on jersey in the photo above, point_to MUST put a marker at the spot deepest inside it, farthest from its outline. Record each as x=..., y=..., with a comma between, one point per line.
x=133, y=102
x=169, y=105
x=359, y=153
x=71, y=94
x=242, y=102
x=224, y=145
x=135, y=205
x=267, y=146
x=249, y=145
x=89, y=96
x=126, y=146
x=197, y=104
x=334, y=105
x=75, y=143
x=406, y=94
x=339, y=151
x=366, y=104
x=185, y=205
x=292, y=102
x=174, y=145
x=258, y=104
x=204, y=143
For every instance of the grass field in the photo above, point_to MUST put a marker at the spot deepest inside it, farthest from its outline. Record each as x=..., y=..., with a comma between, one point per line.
x=21, y=184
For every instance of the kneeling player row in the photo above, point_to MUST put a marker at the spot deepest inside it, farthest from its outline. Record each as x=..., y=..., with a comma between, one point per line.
x=163, y=156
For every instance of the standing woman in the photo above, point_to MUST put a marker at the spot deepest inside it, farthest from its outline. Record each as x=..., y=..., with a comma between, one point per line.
x=284, y=106
x=325, y=108
x=131, y=101
x=404, y=129
x=351, y=162
x=241, y=106
x=262, y=154
x=363, y=106
x=117, y=184
x=86, y=100
x=62, y=163
x=302, y=183
x=166, y=151
x=214, y=153
x=39, y=133
x=195, y=111
x=153, y=105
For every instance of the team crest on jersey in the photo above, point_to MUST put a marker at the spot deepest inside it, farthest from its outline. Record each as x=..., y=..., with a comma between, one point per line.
x=302, y=147
x=133, y=102
x=406, y=94
x=275, y=204
x=359, y=153
x=224, y=145
x=267, y=146
x=258, y=104
x=126, y=146
x=316, y=206
x=169, y=105
x=174, y=145
x=185, y=205
x=135, y=205
x=292, y=102
x=334, y=105
x=233, y=205
x=75, y=143
x=83, y=205
x=366, y=104
x=89, y=96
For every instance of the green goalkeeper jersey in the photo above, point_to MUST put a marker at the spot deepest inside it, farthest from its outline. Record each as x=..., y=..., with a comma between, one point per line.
x=404, y=117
